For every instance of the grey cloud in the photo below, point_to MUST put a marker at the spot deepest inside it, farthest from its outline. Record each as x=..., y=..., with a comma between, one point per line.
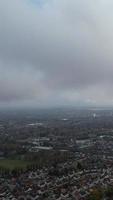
x=56, y=49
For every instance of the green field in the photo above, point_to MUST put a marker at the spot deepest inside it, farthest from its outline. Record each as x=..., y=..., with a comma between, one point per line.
x=12, y=164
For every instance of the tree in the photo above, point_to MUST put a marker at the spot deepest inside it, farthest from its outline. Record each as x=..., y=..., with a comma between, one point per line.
x=96, y=194
x=79, y=166
x=109, y=193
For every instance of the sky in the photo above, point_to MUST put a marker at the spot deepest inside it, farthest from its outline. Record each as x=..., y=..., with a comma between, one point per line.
x=56, y=52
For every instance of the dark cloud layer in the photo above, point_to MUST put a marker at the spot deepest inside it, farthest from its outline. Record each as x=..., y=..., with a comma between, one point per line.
x=56, y=52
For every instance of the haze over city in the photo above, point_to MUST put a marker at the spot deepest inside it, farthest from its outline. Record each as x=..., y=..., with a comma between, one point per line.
x=56, y=52
x=56, y=100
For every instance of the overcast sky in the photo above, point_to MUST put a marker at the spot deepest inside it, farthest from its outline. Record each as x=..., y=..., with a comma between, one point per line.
x=56, y=52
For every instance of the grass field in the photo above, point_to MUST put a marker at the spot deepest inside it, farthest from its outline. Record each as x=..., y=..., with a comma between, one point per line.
x=12, y=164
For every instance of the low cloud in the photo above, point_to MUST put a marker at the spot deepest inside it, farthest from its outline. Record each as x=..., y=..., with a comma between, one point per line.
x=56, y=52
